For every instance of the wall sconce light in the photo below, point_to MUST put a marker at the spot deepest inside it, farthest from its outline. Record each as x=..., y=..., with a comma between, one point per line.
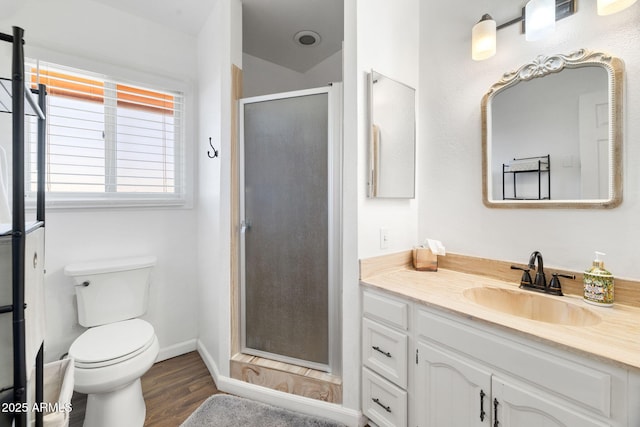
x=483, y=38
x=538, y=20
x=607, y=7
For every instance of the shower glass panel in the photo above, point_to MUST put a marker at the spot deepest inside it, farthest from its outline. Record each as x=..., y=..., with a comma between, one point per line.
x=285, y=236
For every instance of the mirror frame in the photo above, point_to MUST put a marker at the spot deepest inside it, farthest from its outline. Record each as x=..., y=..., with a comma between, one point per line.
x=540, y=67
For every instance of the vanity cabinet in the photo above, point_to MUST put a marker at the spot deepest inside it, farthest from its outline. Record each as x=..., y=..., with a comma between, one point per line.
x=463, y=372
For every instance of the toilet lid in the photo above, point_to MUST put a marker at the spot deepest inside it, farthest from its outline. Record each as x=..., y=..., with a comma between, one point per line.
x=108, y=344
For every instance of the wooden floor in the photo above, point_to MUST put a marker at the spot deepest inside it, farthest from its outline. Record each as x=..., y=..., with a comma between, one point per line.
x=172, y=390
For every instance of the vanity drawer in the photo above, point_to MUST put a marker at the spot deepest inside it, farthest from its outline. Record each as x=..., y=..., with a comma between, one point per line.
x=385, y=351
x=382, y=402
x=387, y=310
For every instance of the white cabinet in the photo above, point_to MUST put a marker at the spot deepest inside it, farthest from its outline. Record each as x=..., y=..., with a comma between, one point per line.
x=522, y=406
x=423, y=367
x=454, y=391
x=384, y=350
x=382, y=401
x=450, y=390
x=384, y=360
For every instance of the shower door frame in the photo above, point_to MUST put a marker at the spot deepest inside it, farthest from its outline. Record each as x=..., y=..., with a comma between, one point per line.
x=334, y=209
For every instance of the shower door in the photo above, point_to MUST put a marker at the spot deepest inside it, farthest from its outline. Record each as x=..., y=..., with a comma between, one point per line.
x=289, y=183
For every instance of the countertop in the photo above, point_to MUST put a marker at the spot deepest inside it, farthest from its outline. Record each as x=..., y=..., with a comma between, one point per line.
x=616, y=339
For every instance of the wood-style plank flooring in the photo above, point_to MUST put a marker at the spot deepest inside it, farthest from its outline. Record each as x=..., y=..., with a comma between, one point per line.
x=172, y=390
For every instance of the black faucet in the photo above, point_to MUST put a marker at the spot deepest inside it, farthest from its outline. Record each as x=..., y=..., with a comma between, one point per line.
x=540, y=282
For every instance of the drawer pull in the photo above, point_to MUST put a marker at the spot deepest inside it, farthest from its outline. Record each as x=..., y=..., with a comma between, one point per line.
x=386, y=408
x=496, y=423
x=376, y=348
x=482, y=413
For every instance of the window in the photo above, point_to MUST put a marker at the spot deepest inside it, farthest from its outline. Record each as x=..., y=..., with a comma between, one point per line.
x=109, y=140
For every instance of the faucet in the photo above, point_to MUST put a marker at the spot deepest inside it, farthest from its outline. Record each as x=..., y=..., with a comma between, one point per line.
x=540, y=281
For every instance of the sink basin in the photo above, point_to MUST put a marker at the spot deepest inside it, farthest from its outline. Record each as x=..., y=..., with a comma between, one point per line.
x=529, y=305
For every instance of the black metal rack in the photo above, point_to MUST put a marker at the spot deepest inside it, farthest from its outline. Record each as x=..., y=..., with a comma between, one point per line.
x=543, y=165
x=19, y=101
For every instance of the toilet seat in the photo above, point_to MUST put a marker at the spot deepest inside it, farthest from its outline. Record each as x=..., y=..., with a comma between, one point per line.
x=113, y=343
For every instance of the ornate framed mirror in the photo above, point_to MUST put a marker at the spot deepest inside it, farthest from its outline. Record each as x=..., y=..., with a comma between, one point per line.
x=552, y=134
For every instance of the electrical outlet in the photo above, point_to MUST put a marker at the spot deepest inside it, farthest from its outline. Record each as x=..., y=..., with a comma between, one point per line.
x=384, y=238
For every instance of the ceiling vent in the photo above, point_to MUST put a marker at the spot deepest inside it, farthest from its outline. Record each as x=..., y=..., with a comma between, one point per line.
x=307, y=38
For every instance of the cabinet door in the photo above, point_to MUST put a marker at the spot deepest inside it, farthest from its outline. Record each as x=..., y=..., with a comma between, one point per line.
x=518, y=405
x=450, y=390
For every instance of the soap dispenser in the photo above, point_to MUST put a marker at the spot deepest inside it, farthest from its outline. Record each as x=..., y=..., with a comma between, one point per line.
x=598, y=283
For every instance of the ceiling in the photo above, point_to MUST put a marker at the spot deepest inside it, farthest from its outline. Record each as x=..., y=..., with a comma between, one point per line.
x=268, y=26
x=186, y=16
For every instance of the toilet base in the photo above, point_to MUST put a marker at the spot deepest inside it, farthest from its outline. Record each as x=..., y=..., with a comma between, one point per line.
x=122, y=407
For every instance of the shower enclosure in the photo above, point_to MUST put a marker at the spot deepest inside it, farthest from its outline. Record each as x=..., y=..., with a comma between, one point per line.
x=289, y=237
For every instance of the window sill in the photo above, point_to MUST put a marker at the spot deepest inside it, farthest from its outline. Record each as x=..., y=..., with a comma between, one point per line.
x=54, y=203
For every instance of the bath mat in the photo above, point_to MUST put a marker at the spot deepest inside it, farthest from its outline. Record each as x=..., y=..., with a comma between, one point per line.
x=222, y=410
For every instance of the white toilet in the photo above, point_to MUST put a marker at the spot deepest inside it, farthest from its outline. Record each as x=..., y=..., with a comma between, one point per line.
x=117, y=349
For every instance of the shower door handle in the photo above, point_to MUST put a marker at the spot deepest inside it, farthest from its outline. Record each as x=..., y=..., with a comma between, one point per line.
x=244, y=225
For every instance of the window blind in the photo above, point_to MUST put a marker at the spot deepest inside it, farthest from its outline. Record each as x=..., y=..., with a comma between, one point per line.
x=109, y=139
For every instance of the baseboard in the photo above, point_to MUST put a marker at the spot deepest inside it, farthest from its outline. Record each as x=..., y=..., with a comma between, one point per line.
x=350, y=417
x=176, y=350
x=208, y=361
x=292, y=402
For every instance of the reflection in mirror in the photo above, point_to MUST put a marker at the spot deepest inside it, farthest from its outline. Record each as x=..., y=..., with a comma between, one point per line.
x=552, y=134
x=392, y=139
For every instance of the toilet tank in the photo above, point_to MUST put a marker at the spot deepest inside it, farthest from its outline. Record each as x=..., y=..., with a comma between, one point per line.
x=111, y=290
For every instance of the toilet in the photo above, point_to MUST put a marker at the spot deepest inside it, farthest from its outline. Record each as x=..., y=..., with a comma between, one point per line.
x=118, y=348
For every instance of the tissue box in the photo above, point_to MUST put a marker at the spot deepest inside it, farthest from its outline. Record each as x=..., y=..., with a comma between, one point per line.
x=424, y=260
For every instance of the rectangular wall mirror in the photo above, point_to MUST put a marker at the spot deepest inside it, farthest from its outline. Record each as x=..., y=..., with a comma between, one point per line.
x=552, y=134
x=392, y=142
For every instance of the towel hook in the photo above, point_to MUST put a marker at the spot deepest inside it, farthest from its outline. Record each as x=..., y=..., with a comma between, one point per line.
x=215, y=152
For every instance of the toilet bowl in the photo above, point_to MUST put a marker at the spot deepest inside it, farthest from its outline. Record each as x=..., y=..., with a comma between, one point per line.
x=118, y=348
x=109, y=361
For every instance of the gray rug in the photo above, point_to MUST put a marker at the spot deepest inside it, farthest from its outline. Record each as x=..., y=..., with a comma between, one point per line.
x=222, y=410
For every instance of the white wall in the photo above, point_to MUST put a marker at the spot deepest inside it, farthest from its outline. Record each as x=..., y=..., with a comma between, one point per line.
x=387, y=41
x=218, y=45
x=351, y=312
x=68, y=29
x=261, y=77
x=375, y=36
x=452, y=86
x=327, y=71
